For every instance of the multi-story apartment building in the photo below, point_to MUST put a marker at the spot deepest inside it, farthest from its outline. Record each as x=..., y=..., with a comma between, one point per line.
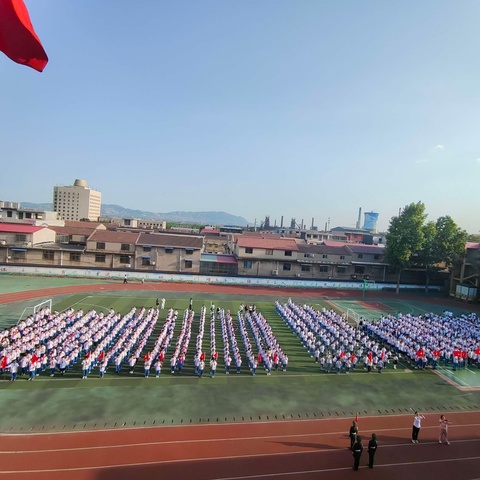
x=17, y=240
x=168, y=252
x=465, y=278
x=77, y=201
x=14, y=212
x=265, y=256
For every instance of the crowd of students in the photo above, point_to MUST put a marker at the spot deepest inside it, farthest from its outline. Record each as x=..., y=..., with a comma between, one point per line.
x=333, y=342
x=426, y=340
x=54, y=342
x=58, y=341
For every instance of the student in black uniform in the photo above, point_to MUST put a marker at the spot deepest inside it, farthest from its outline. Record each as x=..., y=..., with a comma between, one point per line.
x=357, y=452
x=372, y=448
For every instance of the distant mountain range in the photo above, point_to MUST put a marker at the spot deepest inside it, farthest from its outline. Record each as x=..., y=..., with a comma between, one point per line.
x=207, y=218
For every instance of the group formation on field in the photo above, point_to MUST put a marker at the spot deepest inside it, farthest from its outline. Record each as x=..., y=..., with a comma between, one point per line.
x=54, y=343
x=419, y=340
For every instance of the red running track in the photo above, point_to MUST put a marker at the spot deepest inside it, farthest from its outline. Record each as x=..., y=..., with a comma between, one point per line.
x=300, y=450
x=252, y=290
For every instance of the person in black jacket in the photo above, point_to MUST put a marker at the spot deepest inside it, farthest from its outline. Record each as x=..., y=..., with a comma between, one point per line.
x=357, y=452
x=353, y=432
x=372, y=448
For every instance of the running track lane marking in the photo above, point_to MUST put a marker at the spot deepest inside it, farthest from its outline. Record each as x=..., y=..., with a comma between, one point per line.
x=266, y=475
x=243, y=439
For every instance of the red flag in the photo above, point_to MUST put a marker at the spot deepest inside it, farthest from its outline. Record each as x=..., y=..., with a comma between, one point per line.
x=4, y=362
x=88, y=354
x=34, y=359
x=18, y=40
x=420, y=353
x=477, y=351
x=146, y=357
x=436, y=353
x=259, y=357
x=101, y=356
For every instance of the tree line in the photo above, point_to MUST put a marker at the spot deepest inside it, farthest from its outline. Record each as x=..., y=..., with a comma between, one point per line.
x=414, y=242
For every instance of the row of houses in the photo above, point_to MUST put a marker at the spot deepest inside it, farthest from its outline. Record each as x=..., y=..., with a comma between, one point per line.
x=93, y=245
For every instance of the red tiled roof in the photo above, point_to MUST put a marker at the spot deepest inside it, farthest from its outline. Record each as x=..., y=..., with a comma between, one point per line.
x=267, y=243
x=85, y=231
x=73, y=223
x=333, y=243
x=337, y=249
x=268, y=234
x=171, y=240
x=473, y=245
x=113, y=236
x=361, y=248
x=19, y=228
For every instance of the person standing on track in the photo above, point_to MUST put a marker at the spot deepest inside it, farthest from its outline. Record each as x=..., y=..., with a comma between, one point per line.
x=372, y=448
x=443, y=430
x=357, y=452
x=417, y=424
x=353, y=432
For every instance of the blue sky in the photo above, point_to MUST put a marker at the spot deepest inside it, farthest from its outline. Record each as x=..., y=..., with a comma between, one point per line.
x=301, y=108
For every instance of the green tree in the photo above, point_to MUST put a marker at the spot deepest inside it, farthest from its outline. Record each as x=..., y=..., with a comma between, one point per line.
x=405, y=238
x=427, y=256
x=450, y=242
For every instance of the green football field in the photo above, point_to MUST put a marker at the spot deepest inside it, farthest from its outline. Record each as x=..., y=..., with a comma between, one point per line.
x=302, y=392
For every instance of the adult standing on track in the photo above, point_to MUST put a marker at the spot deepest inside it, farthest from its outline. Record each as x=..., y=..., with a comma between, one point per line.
x=417, y=424
x=357, y=452
x=372, y=448
x=443, y=430
x=353, y=432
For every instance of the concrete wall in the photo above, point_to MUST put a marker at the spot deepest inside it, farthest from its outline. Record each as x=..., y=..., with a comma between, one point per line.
x=216, y=280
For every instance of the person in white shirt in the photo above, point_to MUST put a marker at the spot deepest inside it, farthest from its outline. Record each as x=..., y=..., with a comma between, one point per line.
x=213, y=367
x=417, y=424
x=13, y=370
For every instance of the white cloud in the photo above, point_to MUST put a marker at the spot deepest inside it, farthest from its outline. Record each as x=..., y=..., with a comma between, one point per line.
x=477, y=161
x=439, y=148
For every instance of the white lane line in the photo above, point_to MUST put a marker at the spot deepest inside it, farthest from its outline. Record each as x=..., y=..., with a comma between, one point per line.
x=216, y=458
x=341, y=469
x=278, y=439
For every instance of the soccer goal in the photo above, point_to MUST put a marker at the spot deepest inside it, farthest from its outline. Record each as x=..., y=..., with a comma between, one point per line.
x=36, y=308
x=353, y=316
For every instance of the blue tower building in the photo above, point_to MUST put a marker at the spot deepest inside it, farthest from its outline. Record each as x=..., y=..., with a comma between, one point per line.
x=370, y=222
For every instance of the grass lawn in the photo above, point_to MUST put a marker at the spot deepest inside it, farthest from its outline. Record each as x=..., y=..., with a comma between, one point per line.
x=301, y=392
